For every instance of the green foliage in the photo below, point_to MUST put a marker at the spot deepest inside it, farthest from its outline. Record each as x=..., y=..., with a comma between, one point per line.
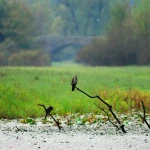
x=2, y=59
x=29, y=58
x=21, y=21
x=83, y=17
x=28, y=121
x=8, y=47
x=119, y=13
x=18, y=24
x=70, y=17
x=141, y=15
x=94, y=54
x=57, y=27
x=15, y=100
x=126, y=39
x=21, y=92
x=3, y=11
x=126, y=100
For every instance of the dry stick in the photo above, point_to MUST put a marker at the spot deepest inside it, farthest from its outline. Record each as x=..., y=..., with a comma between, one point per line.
x=57, y=122
x=109, y=106
x=47, y=110
x=144, y=117
x=18, y=129
x=107, y=116
x=48, y=113
x=21, y=129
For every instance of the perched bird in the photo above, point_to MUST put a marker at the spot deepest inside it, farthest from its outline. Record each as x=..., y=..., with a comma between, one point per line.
x=74, y=82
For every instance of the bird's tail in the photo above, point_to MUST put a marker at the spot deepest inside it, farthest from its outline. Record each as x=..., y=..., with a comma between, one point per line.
x=73, y=87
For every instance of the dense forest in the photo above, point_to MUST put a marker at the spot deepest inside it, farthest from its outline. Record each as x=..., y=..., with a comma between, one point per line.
x=122, y=28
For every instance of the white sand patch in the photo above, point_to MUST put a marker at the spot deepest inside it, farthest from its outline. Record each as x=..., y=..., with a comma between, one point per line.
x=45, y=137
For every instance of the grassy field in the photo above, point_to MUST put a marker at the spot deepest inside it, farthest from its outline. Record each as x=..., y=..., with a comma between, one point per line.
x=22, y=88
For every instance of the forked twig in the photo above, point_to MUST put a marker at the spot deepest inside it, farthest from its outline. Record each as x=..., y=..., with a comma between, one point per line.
x=109, y=106
x=18, y=129
x=107, y=116
x=57, y=122
x=144, y=115
x=48, y=111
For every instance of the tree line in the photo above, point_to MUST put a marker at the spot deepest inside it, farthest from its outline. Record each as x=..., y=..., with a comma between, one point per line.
x=18, y=28
x=126, y=40
x=21, y=21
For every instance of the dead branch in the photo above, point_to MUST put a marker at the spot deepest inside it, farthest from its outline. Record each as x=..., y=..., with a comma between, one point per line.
x=57, y=122
x=18, y=129
x=109, y=106
x=144, y=115
x=47, y=112
x=107, y=116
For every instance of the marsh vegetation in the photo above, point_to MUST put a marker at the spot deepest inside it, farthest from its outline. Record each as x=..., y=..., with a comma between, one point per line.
x=22, y=88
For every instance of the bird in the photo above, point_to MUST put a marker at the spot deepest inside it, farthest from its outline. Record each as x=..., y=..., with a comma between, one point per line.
x=74, y=82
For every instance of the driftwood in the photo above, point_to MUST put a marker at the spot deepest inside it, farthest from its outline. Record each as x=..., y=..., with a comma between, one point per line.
x=144, y=115
x=48, y=111
x=121, y=126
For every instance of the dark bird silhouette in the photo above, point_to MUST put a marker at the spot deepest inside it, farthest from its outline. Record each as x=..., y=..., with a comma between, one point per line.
x=74, y=82
x=47, y=110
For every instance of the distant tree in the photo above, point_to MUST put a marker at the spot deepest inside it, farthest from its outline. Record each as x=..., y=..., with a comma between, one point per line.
x=17, y=27
x=57, y=27
x=126, y=39
x=94, y=54
x=43, y=13
x=8, y=47
x=2, y=59
x=141, y=15
x=141, y=22
x=3, y=15
x=29, y=58
x=18, y=24
x=119, y=13
x=78, y=17
x=113, y=50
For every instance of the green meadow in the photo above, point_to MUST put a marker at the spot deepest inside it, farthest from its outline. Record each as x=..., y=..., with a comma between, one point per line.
x=23, y=88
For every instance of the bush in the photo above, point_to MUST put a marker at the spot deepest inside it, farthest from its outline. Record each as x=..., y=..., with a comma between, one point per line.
x=29, y=58
x=94, y=54
x=2, y=59
x=126, y=39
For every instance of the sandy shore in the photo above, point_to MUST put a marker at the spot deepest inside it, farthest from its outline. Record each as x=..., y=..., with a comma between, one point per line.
x=18, y=136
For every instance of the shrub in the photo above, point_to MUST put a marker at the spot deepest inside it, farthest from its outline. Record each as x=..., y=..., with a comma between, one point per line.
x=29, y=58
x=2, y=59
x=126, y=39
x=94, y=53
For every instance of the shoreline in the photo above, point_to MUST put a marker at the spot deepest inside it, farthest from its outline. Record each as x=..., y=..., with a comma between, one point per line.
x=15, y=135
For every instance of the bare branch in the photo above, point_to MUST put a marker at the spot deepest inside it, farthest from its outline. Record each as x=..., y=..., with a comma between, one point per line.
x=94, y=97
x=21, y=129
x=107, y=116
x=144, y=115
x=57, y=122
x=109, y=106
x=48, y=111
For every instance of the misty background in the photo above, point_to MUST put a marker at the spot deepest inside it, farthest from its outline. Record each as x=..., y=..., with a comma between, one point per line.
x=91, y=32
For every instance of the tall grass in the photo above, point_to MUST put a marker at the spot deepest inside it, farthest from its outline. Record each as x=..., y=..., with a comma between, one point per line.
x=22, y=88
